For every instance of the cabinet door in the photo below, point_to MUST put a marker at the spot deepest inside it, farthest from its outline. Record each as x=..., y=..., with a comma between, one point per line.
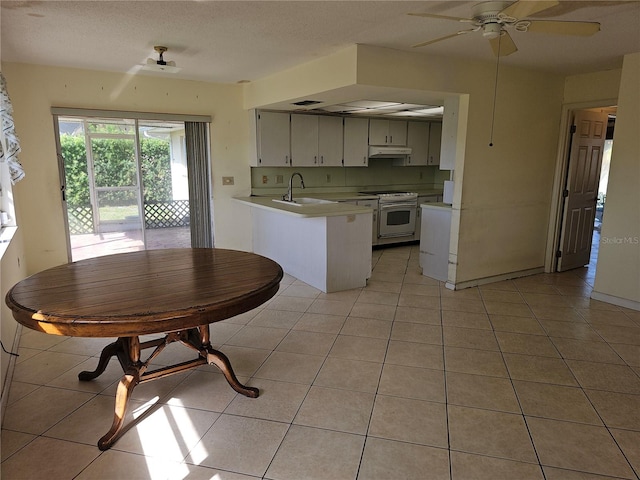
x=378, y=132
x=304, y=140
x=418, y=140
x=273, y=139
x=356, y=142
x=435, y=141
x=387, y=132
x=397, y=132
x=374, y=227
x=330, y=141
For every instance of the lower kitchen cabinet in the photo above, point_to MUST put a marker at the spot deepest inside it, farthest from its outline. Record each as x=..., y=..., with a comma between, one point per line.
x=373, y=204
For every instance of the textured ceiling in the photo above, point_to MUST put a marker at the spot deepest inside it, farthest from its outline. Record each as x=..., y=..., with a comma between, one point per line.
x=231, y=41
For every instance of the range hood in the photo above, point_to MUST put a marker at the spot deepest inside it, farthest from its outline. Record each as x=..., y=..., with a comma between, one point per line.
x=388, y=152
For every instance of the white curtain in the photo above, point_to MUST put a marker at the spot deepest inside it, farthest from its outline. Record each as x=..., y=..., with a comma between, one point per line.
x=9, y=143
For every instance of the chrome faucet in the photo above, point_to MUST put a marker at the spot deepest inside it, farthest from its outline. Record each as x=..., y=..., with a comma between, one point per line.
x=289, y=195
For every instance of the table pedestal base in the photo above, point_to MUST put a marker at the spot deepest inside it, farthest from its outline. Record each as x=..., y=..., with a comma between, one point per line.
x=128, y=350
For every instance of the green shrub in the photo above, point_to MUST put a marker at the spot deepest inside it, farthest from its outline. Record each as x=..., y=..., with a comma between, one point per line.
x=114, y=166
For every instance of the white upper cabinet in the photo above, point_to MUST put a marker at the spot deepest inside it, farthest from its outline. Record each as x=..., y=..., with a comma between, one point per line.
x=418, y=140
x=387, y=132
x=316, y=141
x=304, y=140
x=273, y=139
x=356, y=142
x=435, y=142
x=330, y=141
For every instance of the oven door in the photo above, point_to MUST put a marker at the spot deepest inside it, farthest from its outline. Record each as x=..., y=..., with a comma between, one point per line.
x=397, y=219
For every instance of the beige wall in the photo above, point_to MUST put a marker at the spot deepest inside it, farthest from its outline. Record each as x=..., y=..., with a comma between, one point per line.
x=618, y=272
x=35, y=89
x=12, y=270
x=589, y=87
x=326, y=73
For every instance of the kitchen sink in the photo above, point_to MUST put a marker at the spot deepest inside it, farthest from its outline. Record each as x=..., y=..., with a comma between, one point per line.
x=302, y=201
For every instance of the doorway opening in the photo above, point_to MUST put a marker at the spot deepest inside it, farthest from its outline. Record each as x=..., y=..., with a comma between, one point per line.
x=584, y=189
x=125, y=185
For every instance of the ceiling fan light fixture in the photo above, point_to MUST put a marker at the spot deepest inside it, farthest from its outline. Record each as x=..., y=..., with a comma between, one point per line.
x=491, y=30
x=160, y=65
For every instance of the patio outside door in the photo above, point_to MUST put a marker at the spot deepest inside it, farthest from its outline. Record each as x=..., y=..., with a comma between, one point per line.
x=115, y=180
x=125, y=185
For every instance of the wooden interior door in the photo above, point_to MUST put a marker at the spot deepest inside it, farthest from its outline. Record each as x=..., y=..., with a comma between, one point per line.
x=581, y=190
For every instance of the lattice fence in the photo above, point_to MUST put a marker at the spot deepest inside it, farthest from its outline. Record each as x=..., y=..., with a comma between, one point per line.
x=156, y=215
x=166, y=214
x=80, y=220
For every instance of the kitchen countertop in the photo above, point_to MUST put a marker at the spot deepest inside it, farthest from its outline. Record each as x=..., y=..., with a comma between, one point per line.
x=313, y=210
x=435, y=206
x=423, y=193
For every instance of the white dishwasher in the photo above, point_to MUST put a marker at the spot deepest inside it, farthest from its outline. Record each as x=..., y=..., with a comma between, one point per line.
x=435, y=236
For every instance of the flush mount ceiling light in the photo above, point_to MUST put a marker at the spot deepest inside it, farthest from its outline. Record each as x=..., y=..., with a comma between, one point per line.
x=160, y=65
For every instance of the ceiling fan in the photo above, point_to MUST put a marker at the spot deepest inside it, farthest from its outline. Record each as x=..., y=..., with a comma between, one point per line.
x=494, y=18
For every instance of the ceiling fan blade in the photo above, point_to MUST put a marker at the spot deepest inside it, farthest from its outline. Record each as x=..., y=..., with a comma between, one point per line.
x=504, y=43
x=441, y=17
x=429, y=42
x=524, y=8
x=564, y=28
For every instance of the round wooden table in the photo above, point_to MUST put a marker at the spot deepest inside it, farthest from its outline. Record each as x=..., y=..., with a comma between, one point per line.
x=177, y=292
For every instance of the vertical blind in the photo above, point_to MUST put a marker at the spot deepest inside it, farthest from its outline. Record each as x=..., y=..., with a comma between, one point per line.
x=197, y=144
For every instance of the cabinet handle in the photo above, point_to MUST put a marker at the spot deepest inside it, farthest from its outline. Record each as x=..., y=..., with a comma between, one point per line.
x=391, y=139
x=315, y=159
x=365, y=160
x=322, y=159
x=385, y=139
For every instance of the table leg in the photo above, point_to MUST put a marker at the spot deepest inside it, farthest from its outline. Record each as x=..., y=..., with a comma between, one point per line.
x=128, y=348
x=125, y=387
x=107, y=352
x=220, y=360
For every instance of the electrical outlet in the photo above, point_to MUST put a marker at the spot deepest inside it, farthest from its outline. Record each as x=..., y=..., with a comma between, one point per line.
x=265, y=179
x=227, y=180
x=279, y=179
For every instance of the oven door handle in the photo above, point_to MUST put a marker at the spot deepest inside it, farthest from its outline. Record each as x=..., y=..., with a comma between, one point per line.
x=388, y=206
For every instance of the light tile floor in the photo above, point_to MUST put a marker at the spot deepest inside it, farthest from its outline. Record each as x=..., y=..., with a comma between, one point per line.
x=403, y=379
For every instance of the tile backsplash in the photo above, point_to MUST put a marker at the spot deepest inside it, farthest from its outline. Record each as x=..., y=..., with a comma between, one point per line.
x=380, y=174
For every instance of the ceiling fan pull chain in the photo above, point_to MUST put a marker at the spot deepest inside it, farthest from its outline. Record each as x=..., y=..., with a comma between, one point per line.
x=495, y=92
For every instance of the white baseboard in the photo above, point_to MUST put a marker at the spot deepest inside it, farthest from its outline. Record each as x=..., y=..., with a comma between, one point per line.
x=621, y=302
x=493, y=279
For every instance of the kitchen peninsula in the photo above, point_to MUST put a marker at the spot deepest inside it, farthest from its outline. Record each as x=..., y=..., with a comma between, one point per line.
x=323, y=243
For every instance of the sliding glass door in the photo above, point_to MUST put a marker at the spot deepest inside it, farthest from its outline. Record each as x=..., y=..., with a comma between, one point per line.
x=125, y=185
